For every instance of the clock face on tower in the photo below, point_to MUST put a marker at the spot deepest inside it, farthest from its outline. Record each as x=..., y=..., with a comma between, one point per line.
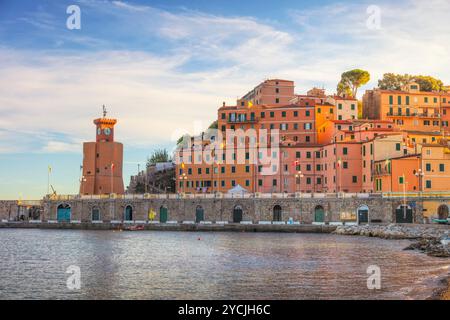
x=107, y=131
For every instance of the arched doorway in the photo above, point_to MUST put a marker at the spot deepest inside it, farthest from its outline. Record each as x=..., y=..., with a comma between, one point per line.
x=277, y=213
x=95, y=214
x=443, y=212
x=63, y=213
x=319, y=214
x=237, y=214
x=163, y=214
x=363, y=214
x=128, y=215
x=199, y=214
x=404, y=214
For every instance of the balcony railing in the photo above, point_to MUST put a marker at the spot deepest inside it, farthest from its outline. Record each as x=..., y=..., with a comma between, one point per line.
x=242, y=120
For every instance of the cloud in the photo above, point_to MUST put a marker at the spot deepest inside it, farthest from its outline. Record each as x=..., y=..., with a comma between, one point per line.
x=206, y=59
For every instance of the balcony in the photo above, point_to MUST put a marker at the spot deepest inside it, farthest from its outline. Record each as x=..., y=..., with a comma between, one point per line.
x=429, y=115
x=242, y=120
x=393, y=114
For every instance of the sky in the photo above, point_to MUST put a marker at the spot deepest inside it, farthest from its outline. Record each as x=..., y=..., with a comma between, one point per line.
x=163, y=68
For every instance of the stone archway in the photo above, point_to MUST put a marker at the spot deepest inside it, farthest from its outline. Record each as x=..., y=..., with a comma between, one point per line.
x=199, y=214
x=95, y=214
x=163, y=214
x=63, y=212
x=319, y=214
x=237, y=214
x=363, y=214
x=443, y=212
x=128, y=213
x=277, y=213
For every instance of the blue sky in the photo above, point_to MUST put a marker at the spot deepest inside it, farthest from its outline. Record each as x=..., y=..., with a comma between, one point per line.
x=164, y=67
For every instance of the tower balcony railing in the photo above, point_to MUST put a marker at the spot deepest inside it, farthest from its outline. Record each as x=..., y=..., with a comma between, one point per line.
x=241, y=120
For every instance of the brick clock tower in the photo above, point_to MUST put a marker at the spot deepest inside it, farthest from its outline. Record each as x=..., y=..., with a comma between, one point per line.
x=102, y=161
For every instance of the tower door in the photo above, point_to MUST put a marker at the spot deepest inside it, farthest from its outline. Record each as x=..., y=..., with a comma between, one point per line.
x=277, y=213
x=163, y=215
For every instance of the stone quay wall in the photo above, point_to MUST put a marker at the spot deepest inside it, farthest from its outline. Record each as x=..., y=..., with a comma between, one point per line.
x=253, y=209
x=217, y=209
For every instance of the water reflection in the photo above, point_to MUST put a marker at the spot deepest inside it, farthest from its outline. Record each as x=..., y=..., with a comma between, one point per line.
x=187, y=265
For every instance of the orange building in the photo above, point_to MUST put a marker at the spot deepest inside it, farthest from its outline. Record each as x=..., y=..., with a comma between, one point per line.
x=102, y=161
x=409, y=108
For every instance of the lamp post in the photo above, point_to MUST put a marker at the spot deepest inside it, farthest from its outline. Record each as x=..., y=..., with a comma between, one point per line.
x=419, y=174
x=298, y=176
x=183, y=179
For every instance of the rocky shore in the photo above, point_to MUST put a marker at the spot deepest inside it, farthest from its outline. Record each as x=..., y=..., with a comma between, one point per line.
x=427, y=238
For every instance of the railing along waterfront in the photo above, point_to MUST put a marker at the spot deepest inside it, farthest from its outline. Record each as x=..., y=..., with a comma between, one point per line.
x=297, y=195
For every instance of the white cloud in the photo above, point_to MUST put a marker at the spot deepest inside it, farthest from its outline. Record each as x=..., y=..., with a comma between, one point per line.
x=211, y=59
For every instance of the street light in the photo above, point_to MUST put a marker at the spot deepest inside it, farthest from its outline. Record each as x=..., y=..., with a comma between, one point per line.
x=419, y=174
x=183, y=177
x=298, y=177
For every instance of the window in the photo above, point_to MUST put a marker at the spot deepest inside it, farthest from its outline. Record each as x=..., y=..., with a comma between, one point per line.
x=233, y=169
x=428, y=184
x=207, y=170
x=319, y=110
x=345, y=165
x=397, y=146
x=274, y=182
x=259, y=182
x=272, y=114
x=308, y=180
x=224, y=116
x=391, y=99
x=307, y=113
x=401, y=180
x=441, y=167
x=233, y=183
x=425, y=99
x=277, y=90
x=307, y=138
x=399, y=100
x=353, y=107
x=428, y=167
x=354, y=179
x=345, y=150
x=247, y=168
x=283, y=114
x=277, y=100
x=247, y=183
x=295, y=113
x=263, y=114
x=407, y=100
x=339, y=117
x=308, y=154
x=222, y=169
x=308, y=167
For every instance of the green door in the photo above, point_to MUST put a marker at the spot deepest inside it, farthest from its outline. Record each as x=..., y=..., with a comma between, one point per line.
x=128, y=213
x=163, y=215
x=199, y=214
x=63, y=213
x=319, y=214
x=404, y=216
x=237, y=214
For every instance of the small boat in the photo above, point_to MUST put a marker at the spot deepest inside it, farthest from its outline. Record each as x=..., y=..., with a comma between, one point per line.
x=440, y=221
x=134, y=228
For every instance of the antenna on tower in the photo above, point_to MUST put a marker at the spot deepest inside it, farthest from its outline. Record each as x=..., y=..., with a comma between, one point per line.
x=104, y=111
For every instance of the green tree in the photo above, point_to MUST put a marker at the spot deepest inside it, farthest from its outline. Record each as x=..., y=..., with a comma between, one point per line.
x=428, y=83
x=214, y=125
x=159, y=155
x=351, y=81
x=392, y=81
